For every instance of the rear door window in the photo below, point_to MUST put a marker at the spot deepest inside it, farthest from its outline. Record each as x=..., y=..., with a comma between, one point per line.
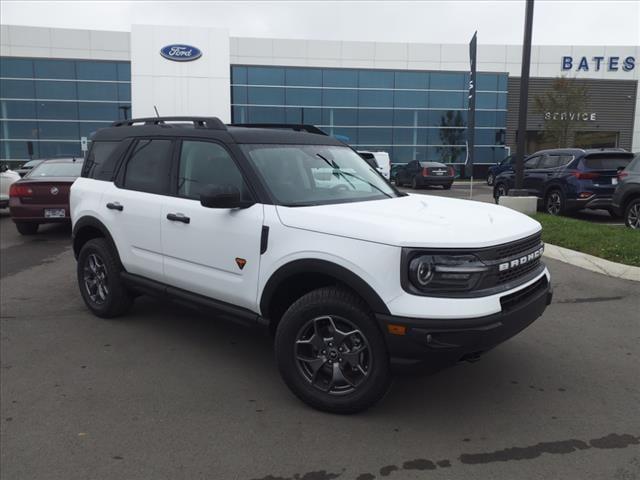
x=149, y=166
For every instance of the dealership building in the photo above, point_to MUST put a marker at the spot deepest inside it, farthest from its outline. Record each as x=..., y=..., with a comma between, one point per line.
x=58, y=86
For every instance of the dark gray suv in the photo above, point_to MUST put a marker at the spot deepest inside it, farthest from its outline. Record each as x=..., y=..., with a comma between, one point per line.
x=626, y=198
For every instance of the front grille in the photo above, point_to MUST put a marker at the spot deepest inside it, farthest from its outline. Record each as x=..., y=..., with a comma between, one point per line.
x=519, y=246
x=508, y=253
x=509, y=275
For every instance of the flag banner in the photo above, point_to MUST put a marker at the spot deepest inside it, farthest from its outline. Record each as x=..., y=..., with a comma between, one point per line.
x=471, y=117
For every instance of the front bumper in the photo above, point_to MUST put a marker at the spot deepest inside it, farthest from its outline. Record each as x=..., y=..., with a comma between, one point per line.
x=447, y=341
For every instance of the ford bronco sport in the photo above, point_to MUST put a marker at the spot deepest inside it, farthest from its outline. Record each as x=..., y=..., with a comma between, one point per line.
x=292, y=230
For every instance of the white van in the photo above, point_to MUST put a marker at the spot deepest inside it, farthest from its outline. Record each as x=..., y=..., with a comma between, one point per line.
x=381, y=159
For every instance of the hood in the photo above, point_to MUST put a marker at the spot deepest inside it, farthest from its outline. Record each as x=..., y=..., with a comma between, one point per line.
x=415, y=221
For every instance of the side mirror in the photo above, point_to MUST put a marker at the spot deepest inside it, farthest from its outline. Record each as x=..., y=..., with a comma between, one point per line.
x=222, y=196
x=3, y=168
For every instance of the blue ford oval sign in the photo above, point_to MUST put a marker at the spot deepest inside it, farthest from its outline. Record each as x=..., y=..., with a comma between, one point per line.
x=181, y=53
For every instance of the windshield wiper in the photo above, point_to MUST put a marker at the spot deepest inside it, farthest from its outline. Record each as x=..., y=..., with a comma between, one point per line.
x=358, y=177
x=336, y=170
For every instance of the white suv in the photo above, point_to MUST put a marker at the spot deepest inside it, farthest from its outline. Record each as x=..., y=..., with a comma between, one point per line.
x=350, y=275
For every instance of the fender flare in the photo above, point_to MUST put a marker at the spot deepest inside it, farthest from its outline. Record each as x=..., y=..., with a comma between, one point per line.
x=345, y=276
x=93, y=223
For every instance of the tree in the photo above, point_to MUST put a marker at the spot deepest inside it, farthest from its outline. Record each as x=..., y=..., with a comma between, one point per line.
x=561, y=107
x=452, y=134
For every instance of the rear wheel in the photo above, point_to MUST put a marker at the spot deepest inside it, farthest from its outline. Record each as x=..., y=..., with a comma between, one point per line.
x=554, y=202
x=632, y=214
x=99, y=280
x=27, y=228
x=331, y=353
x=447, y=186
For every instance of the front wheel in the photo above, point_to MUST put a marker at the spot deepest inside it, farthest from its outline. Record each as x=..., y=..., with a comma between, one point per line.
x=500, y=190
x=632, y=214
x=490, y=179
x=331, y=353
x=554, y=203
x=101, y=287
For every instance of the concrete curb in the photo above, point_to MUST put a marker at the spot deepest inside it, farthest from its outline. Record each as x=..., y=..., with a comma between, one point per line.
x=595, y=264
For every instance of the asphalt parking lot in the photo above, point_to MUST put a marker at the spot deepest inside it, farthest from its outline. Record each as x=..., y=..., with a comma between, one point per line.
x=166, y=393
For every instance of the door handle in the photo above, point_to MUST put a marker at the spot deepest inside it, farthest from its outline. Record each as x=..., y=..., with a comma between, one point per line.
x=178, y=217
x=115, y=206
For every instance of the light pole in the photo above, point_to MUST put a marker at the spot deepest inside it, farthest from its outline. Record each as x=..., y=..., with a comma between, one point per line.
x=524, y=98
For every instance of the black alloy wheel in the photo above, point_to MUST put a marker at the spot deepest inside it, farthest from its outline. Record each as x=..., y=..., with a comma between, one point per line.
x=554, y=202
x=99, y=280
x=96, y=281
x=500, y=191
x=632, y=214
x=331, y=352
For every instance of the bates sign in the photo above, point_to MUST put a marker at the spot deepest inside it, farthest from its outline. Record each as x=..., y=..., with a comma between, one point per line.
x=181, y=53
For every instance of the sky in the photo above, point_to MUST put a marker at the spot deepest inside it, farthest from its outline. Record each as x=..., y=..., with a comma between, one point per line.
x=556, y=22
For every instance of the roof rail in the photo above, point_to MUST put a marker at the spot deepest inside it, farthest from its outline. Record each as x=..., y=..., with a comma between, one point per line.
x=283, y=126
x=213, y=123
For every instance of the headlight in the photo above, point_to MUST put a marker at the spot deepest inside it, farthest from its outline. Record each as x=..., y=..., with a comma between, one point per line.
x=442, y=273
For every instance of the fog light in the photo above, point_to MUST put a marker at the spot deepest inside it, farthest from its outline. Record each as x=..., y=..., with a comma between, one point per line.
x=585, y=194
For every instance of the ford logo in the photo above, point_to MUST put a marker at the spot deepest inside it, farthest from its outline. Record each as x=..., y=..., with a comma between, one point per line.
x=181, y=53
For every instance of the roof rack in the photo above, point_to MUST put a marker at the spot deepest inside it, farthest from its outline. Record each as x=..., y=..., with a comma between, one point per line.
x=213, y=123
x=283, y=126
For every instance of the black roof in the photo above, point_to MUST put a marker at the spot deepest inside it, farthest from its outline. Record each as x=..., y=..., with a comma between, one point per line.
x=201, y=127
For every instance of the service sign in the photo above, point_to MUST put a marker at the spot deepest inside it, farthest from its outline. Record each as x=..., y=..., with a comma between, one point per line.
x=180, y=53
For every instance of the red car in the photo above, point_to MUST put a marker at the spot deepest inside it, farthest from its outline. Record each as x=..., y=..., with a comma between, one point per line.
x=42, y=196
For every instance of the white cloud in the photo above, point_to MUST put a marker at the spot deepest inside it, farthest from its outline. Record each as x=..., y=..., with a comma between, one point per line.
x=497, y=22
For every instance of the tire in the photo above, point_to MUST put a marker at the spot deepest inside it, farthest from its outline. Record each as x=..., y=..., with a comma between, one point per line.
x=27, y=228
x=397, y=182
x=101, y=287
x=555, y=203
x=632, y=214
x=500, y=190
x=307, y=360
x=491, y=179
x=447, y=186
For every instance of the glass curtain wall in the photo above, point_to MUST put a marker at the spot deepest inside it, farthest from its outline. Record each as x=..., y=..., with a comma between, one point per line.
x=51, y=103
x=413, y=115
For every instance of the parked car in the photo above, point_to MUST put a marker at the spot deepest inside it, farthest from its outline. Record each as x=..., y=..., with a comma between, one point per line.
x=626, y=198
x=233, y=219
x=378, y=160
x=394, y=170
x=27, y=167
x=7, y=178
x=569, y=179
x=421, y=174
x=42, y=196
x=506, y=164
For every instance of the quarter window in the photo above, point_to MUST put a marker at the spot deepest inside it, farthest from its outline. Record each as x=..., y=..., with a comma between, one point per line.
x=149, y=167
x=205, y=164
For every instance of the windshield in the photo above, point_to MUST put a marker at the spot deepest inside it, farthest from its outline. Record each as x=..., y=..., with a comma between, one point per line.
x=300, y=175
x=56, y=169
